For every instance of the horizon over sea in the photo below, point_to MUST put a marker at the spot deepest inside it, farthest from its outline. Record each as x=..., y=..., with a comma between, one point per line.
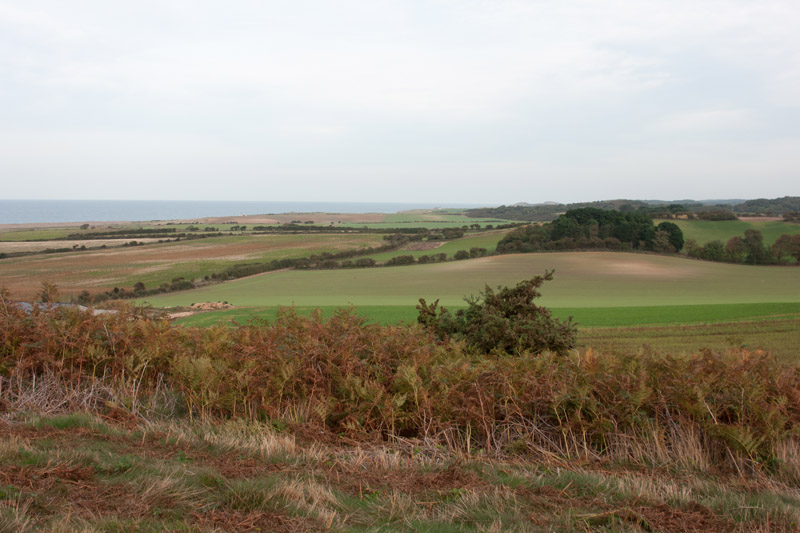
x=46, y=211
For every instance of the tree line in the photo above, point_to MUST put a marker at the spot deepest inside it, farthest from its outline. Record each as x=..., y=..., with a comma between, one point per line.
x=748, y=249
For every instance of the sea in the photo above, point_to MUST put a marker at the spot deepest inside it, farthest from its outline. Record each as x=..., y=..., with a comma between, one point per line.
x=43, y=211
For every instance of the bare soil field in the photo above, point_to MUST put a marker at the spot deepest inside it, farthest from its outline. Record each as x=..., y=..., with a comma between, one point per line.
x=38, y=246
x=103, y=269
x=761, y=219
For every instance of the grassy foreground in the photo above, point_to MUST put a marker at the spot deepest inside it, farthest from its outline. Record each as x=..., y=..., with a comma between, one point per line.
x=115, y=473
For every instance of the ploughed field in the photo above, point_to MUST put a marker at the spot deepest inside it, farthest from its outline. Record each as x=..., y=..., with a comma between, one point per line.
x=102, y=269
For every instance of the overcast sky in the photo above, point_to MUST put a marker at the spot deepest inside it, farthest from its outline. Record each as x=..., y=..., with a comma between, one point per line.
x=465, y=101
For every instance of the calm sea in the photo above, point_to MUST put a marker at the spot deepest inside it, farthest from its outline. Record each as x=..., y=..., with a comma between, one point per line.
x=30, y=211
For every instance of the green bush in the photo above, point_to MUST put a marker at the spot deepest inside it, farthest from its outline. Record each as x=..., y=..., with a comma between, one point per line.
x=504, y=321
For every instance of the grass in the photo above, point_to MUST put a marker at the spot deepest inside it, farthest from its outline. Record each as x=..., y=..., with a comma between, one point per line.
x=246, y=315
x=484, y=240
x=679, y=314
x=427, y=219
x=36, y=234
x=704, y=231
x=608, y=317
x=232, y=476
x=778, y=336
x=582, y=280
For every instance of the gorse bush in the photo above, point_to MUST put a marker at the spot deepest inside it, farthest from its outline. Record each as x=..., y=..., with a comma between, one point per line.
x=504, y=321
x=382, y=381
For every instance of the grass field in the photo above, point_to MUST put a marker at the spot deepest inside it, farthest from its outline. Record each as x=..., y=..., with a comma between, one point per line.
x=427, y=219
x=586, y=317
x=704, y=231
x=777, y=336
x=36, y=234
x=582, y=279
x=487, y=240
x=98, y=270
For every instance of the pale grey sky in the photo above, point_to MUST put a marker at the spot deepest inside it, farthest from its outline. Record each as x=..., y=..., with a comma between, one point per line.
x=473, y=101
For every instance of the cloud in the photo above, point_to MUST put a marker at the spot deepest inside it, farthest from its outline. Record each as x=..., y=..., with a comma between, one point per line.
x=707, y=122
x=438, y=89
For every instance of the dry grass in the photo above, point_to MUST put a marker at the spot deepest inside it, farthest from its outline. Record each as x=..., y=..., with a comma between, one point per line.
x=307, y=424
x=172, y=476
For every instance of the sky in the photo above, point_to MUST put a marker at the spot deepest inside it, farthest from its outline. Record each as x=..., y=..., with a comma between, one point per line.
x=472, y=101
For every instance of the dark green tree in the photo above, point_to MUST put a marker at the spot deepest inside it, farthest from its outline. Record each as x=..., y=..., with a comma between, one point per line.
x=756, y=253
x=675, y=234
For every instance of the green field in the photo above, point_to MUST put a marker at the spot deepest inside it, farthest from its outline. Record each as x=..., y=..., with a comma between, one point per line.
x=427, y=219
x=36, y=234
x=484, y=240
x=704, y=231
x=582, y=279
x=584, y=316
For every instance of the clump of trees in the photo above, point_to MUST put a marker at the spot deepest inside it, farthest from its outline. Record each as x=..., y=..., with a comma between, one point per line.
x=748, y=249
x=502, y=321
x=592, y=228
x=773, y=207
x=716, y=215
x=785, y=247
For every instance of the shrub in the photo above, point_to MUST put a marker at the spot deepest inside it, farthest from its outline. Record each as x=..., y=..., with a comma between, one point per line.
x=477, y=252
x=401, y=260
x=503, y=321
x=365, y=262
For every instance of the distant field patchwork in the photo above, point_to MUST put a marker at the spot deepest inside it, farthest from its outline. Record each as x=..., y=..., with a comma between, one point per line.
x=704, y=231
x=106, y=268
x=486, y=240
